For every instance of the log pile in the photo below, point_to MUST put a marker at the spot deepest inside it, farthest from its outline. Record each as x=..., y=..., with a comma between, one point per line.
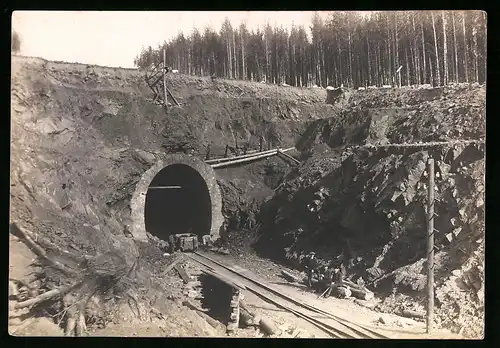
x=290, y=277
x=359, y=292
x=250, y=318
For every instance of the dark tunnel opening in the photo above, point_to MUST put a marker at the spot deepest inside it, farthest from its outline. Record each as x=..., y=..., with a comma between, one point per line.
x=178, y=201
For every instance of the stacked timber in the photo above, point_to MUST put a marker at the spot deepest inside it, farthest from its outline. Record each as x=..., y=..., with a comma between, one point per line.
x=234, y=317
x=359, y=292
x=290, y=277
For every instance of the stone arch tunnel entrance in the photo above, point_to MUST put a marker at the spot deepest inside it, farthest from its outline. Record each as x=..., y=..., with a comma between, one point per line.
x=177, y=201
x=179, y=194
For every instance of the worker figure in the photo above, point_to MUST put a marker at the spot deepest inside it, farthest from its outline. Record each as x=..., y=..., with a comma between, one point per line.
x=322, y=275
x=223, y=233
x=335, y=278
x=328, y=280
x=311, y=267
x=339, y=275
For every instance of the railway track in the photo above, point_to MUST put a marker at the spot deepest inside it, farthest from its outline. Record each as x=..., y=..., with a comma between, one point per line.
x=333, y=325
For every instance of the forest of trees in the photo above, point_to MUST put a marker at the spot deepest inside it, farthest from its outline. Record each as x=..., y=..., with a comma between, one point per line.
x=346, y=48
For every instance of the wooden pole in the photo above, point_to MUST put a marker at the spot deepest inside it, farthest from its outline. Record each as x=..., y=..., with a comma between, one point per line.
x=249, y=154
x=244, y=158
x=288, y=156
x=260, y=145
x=207, y=157
x=163, y=187
x=430, y=247
x=165, y=76
x=225, y=152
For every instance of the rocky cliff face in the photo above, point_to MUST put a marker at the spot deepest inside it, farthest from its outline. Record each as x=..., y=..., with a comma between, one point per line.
x=365, y=203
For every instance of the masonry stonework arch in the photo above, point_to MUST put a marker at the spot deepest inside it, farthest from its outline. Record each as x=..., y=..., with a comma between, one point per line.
x=206, y=173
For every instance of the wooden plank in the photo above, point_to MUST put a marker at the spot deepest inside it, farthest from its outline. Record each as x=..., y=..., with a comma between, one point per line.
x=224, y=279
x=171, y=96
x=156, y=81
x=290, y=277
x=185, y=277
x=288, y=157
x=412, y=314
x=172, y=265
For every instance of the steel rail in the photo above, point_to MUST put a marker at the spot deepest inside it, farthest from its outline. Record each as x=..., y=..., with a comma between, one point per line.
x=332, y=331
x=360, y=330
x=301, y=304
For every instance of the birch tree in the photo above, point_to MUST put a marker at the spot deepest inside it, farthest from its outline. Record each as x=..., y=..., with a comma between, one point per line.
x=445, y=49
x=436, y=49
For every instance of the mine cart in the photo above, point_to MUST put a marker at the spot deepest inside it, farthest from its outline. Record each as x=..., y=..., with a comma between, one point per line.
x=183, y=242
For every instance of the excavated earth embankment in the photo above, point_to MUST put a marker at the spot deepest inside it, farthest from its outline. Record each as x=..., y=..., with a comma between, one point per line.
x=357, y=201
x=83, y=138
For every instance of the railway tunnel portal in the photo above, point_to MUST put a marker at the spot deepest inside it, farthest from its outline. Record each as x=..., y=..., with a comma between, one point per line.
x=178, y=194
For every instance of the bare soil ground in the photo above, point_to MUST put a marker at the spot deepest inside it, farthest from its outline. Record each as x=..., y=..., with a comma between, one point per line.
x=81, y=137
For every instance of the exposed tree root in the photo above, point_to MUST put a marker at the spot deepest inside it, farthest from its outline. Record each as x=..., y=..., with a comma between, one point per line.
x=29, y=237
x=45, y=296
x=98, y=275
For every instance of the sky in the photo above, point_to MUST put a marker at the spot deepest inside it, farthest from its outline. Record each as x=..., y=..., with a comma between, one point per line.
x=115, y=38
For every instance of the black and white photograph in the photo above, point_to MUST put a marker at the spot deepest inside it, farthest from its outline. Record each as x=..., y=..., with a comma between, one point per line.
x=248, y=174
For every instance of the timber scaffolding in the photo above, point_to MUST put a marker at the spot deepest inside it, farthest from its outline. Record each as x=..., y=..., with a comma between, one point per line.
x=156, y=79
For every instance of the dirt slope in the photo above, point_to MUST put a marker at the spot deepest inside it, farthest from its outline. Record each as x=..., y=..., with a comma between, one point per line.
x=83, y=135
x=366, y=206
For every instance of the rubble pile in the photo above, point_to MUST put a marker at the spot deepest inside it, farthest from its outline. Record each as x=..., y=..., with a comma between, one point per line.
x=82, y=136
x=366, y=204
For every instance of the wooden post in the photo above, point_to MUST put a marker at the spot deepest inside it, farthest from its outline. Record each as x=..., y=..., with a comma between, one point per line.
x=165, y=76
x=207, y=157
x=398, y=72
x=430, y=247
x=236, y=147
x=260, y=144
x=225, y=152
